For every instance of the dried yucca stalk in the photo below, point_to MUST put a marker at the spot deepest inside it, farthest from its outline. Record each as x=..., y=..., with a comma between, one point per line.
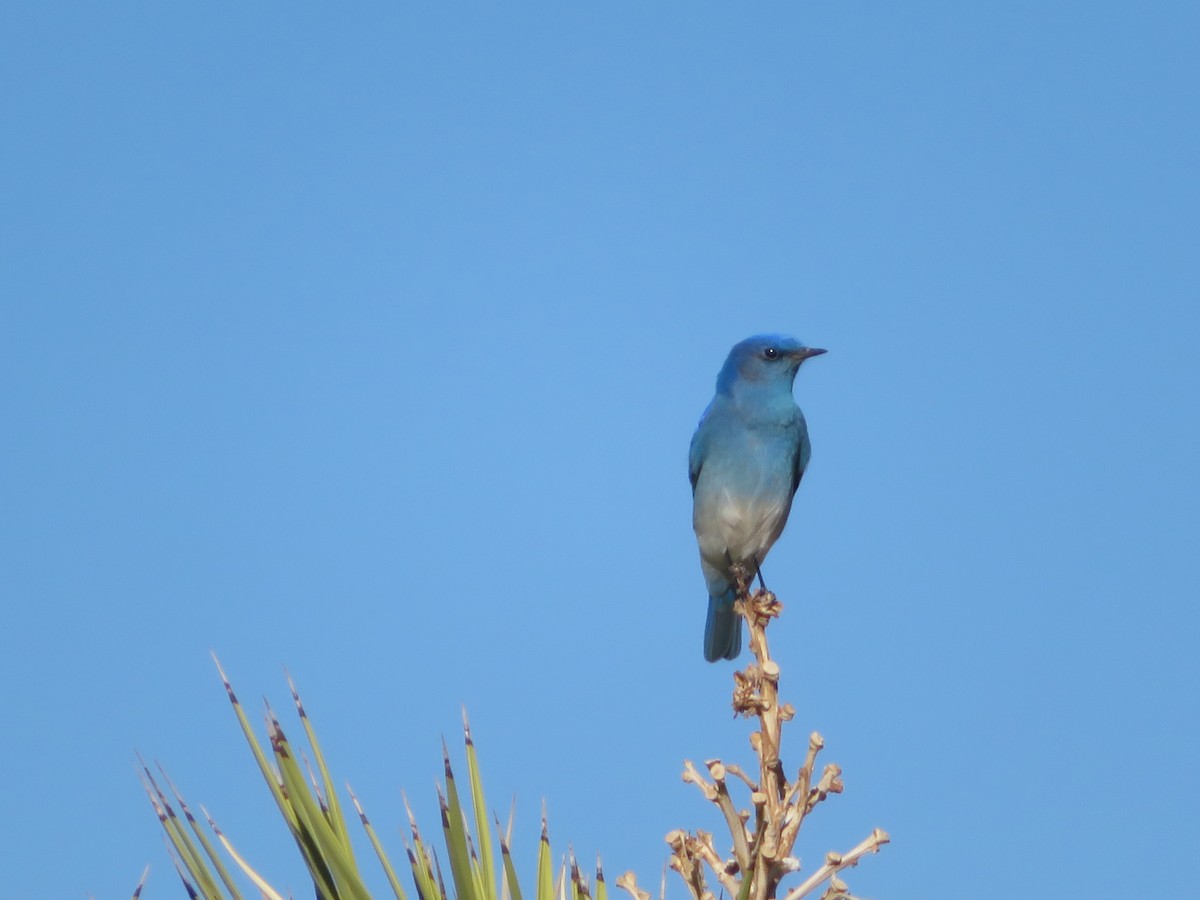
x=764, y=834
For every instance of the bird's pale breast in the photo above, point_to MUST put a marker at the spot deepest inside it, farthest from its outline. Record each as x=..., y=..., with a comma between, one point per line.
x=741, y=506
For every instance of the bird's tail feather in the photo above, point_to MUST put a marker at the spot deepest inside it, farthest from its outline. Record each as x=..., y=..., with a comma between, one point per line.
x=722, y=629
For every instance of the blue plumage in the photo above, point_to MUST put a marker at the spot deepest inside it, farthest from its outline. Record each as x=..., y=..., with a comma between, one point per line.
x=747, y=457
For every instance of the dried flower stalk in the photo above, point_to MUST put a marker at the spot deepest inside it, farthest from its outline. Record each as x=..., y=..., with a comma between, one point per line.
x=762, y=841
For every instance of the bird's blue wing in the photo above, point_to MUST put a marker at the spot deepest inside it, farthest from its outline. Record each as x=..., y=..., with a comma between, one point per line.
x=803, y=455
x=699, y=450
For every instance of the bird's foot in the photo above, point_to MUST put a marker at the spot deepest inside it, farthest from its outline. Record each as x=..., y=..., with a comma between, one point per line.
x=742, y=578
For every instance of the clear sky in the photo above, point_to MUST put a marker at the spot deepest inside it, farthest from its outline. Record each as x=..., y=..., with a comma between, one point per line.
x=369, y=342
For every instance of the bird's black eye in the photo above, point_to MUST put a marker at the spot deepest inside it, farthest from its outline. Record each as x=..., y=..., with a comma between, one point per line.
x=770, y=353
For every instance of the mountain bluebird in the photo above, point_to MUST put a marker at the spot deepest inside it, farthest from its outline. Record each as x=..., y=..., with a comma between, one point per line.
x=746, y=460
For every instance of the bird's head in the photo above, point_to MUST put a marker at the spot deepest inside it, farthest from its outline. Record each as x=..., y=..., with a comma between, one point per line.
x=764, y=359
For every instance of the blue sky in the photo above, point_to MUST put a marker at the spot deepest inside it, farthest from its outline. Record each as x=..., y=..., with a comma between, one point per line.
x=369, y=342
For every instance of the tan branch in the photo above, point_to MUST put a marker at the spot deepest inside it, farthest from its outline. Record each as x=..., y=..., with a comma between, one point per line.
x=836, y=862
x=733, y=821
x=628, y=882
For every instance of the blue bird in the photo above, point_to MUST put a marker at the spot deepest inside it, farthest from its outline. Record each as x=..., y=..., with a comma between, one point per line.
x=747, y=457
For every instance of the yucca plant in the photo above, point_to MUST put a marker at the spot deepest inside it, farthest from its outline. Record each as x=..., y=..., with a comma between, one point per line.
x=309, y=804
x=762, y=835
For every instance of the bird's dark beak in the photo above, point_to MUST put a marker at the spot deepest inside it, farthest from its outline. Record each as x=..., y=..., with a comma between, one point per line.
x=805, y=352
